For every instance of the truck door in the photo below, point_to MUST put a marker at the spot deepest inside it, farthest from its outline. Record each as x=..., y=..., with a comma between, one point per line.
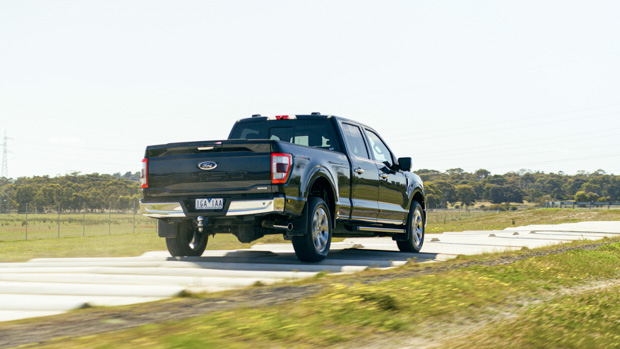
x=364, y=176
x=393, y=198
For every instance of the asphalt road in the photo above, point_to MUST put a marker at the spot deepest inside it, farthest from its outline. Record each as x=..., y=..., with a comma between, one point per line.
x=49, y=286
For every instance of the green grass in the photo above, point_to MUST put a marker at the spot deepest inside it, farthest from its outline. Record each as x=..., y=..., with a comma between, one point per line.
x=115, y=245
x=496, y=221
x=118, y=238
x=348, y=313
x=50, y=226
x=588, y=320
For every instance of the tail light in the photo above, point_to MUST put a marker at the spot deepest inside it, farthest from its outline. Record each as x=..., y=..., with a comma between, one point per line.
x=281, y=165
x=144, y=180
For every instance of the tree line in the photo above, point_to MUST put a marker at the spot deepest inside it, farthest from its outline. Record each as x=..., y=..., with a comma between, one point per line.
x=456, y=186
x=70, y=193
x=97, y=192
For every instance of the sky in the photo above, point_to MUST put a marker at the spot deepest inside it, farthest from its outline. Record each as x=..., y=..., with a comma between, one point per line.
x=505, y=86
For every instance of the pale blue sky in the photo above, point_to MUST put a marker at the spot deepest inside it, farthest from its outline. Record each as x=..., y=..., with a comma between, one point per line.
x=500, y=85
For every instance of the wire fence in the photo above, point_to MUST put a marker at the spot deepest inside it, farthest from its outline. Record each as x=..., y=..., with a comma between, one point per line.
x=443, y=215
x=576, y=204
x=30, y=226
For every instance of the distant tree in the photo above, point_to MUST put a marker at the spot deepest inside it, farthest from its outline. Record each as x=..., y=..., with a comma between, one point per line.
x=482, y=174
x=497, y=179
x=583, y=196
x=455, y=171
x=448, y=192
x=433, y=195
x=498, y=194
x=465, y=194
x=591, y=187
x=527, y=181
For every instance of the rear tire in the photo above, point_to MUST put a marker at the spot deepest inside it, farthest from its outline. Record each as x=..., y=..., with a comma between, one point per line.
x=314, y=245
x=189, y=242
x=415, y=230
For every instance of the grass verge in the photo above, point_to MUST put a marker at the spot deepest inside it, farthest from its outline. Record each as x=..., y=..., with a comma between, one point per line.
x=586, y=320
x=497, y=221
x=117, y=245
x=361, y=311
x=122, y=243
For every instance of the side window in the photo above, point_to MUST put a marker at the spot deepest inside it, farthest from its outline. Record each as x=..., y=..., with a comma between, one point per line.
x=379, y=150
x=355, y=141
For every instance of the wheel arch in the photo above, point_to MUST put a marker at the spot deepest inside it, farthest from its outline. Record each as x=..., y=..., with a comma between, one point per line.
x=322, y=187
x=418, y=195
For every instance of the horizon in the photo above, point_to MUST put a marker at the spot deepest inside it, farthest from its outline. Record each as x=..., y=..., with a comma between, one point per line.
x=121, y=174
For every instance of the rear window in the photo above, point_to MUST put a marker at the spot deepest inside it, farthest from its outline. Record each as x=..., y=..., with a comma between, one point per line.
x=311, y=133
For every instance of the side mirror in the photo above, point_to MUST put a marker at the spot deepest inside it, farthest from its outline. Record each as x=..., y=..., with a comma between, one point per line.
x=404, y=164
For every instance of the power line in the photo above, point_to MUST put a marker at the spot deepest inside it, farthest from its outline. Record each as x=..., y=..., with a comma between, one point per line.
x=400, y=139
x=460, y=129
x=490, y=149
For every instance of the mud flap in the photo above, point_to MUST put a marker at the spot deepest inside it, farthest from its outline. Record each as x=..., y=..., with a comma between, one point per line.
x=168, y=229
x=300, y=225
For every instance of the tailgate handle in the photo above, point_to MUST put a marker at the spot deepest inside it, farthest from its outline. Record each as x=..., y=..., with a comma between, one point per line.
x=358, y=170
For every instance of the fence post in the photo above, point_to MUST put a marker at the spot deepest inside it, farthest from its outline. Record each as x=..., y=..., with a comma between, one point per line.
x=83, y=220
x=110, y=219
x=133, y=227
x=26, y=221
x=58, y=221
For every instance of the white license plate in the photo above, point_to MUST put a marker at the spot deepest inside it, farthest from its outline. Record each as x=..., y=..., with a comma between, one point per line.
x=209, y=204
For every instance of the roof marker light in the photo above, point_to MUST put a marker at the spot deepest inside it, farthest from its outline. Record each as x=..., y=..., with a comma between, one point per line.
x=283, y=117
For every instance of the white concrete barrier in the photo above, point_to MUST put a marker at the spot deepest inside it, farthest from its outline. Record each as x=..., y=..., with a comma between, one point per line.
x=47, y=286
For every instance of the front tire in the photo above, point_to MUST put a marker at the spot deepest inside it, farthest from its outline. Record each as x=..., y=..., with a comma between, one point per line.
x=314, y=245
x=415, y=230
x=189, y=242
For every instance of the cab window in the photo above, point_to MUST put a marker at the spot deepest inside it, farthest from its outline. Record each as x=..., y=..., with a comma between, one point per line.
x=355, y=141
x=311, y=133
x=379, y=150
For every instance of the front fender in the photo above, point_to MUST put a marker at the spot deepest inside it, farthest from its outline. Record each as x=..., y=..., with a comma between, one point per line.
x=415, y=191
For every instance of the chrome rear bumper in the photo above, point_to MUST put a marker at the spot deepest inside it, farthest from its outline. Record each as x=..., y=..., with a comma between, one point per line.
x=235, y=208
x=162, y=209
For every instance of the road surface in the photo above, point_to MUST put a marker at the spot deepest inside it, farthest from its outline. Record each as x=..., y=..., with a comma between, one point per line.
x=42, y=287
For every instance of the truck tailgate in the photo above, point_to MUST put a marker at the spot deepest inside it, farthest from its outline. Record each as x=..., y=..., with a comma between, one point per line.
x=228, y=167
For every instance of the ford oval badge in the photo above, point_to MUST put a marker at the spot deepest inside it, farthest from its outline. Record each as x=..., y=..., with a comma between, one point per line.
x=207, y=165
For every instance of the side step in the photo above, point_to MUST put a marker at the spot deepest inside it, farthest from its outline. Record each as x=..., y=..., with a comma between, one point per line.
x=380, y=230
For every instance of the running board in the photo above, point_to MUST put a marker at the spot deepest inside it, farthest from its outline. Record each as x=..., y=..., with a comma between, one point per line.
x=381, y=230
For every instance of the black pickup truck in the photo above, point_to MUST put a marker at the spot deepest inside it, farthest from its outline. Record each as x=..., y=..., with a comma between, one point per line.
x=308, y=177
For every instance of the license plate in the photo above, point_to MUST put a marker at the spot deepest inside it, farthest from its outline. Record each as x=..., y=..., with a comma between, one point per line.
x=209, y=204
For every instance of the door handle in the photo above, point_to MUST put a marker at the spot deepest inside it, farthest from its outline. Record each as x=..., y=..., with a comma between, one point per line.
x=358, y=170
x=383, y=176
